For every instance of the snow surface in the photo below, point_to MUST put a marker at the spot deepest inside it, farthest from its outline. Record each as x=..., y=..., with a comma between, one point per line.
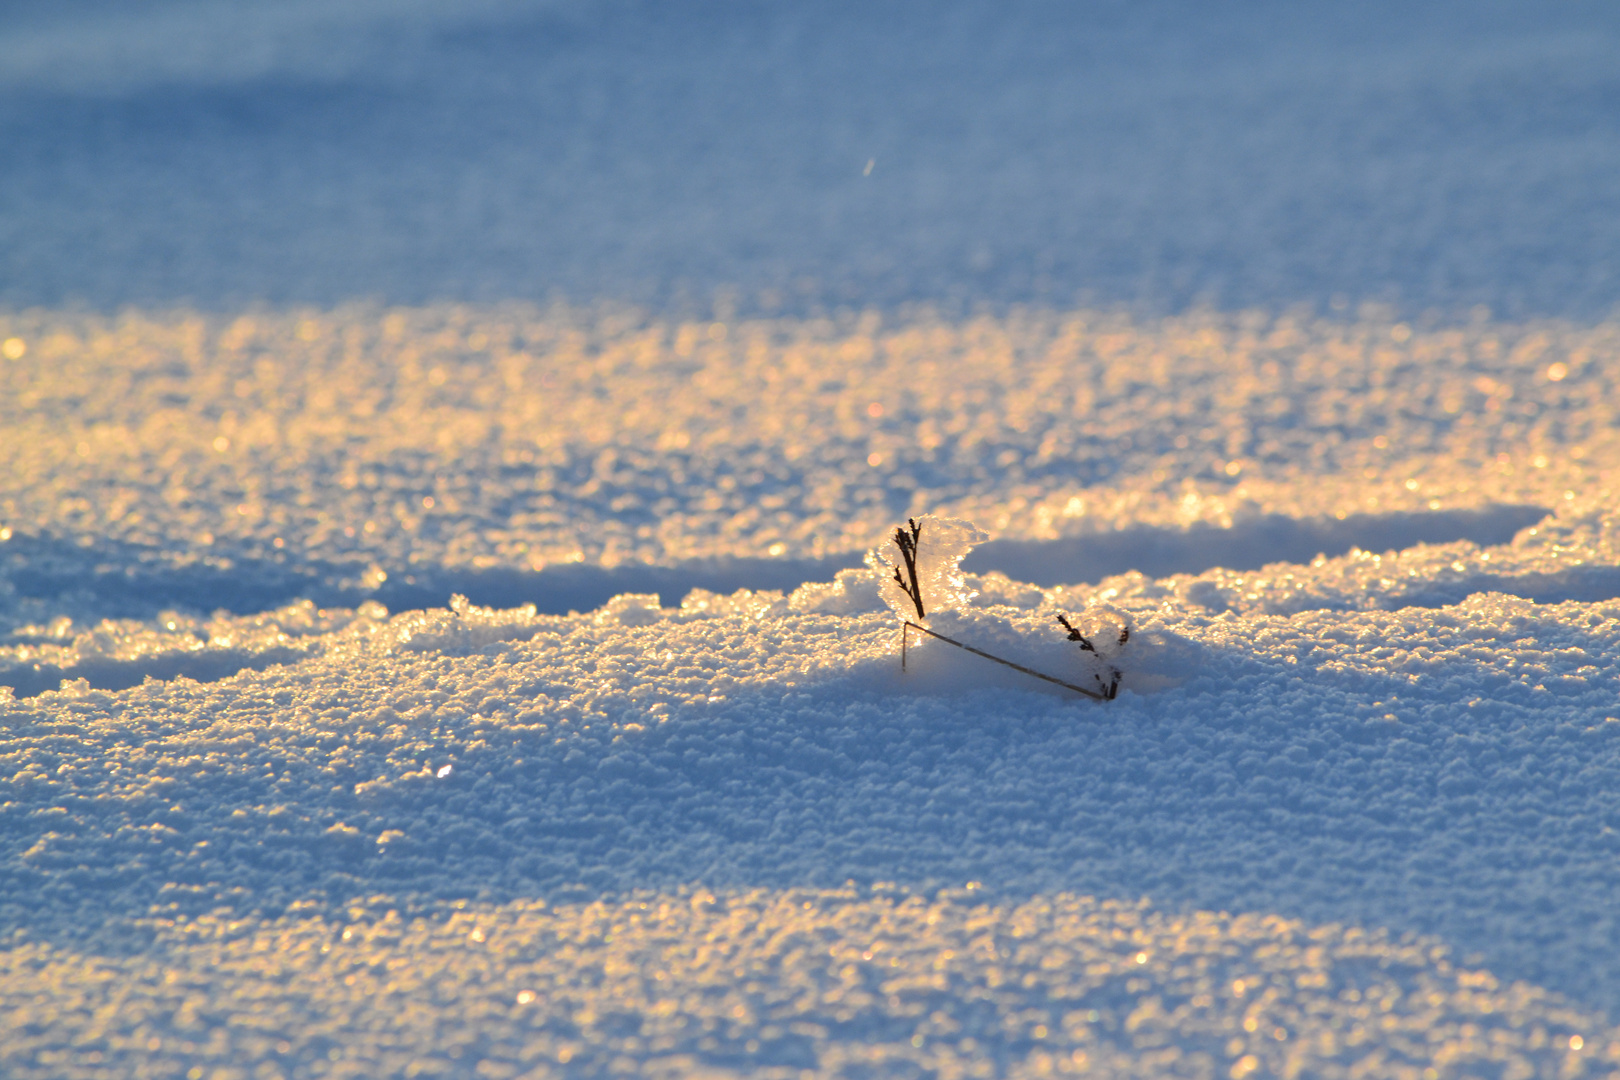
x=858, y=152
x=1347, y=749
x=413, y=677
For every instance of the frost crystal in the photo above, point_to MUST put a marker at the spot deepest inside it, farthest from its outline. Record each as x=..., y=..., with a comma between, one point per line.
x=924, y=555
x=1102, y=631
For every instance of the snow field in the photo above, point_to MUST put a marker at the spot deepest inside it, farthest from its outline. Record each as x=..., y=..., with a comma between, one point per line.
x=403, y=690
x=364, y=440
x=1432, y=767
x=1159, y=155
x=782, y=983
x=1380, y=743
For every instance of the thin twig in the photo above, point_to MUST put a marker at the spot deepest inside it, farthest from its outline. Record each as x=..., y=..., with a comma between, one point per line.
x=1075, y=635
x=1006, y=663
x=908, y=554
x=1110, y=689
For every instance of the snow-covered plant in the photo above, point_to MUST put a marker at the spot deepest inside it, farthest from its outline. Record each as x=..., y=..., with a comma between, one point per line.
x=923, y=563
x=924, y=559
x=1109, y=629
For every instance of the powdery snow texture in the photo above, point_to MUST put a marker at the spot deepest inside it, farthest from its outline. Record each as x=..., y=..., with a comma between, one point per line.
x=177, y=446
x=781, y=983
x=1398, y=768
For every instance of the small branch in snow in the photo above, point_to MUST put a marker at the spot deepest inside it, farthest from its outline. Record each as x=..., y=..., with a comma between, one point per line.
x=908, y=554
x=908, y=624
x=1110, y=689
x=948, y=541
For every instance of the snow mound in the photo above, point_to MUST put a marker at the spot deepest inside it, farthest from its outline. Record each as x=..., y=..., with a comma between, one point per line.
x=748, y=603
x=462, y=628
x=851, y=592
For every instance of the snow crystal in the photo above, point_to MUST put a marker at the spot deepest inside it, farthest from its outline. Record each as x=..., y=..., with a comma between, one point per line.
x=851, y=592
x=1102, y=630
x=631, y=609
x=920, y=566
x=463, y=628
x=748, y=603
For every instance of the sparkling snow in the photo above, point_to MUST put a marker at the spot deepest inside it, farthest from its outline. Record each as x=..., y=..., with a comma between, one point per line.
x=1422, y=740
x=405, y=677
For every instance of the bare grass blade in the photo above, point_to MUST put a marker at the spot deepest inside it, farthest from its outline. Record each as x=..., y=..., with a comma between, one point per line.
x=907, y=544
x=911, y=565
x=909, y=625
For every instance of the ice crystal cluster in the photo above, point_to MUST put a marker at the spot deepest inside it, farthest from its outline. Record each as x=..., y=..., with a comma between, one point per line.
x=921, y=566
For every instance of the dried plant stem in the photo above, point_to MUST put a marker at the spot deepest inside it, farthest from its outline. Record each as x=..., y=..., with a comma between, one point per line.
x=980, y=652
x=907, y=546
